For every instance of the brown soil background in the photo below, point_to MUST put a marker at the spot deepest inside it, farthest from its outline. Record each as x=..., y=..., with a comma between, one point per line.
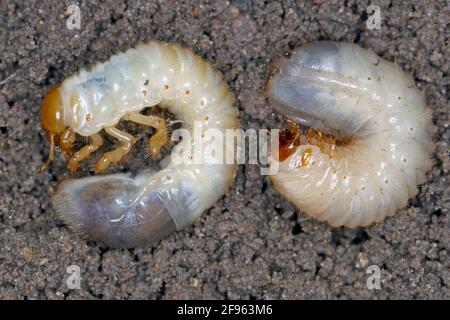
x=252, y=243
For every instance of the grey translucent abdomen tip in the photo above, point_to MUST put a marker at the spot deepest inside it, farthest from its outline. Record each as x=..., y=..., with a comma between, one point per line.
x=110, y=211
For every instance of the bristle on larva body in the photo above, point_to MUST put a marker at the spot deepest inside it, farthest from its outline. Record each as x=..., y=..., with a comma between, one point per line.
x=125, y=211
x=377, y=128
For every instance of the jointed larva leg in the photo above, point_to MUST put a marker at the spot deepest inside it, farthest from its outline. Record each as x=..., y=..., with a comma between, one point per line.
x=86, y=151
x=160, y=138
x=117, y=154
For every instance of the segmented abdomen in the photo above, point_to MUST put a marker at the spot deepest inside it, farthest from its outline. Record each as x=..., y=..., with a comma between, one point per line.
x=151, y=74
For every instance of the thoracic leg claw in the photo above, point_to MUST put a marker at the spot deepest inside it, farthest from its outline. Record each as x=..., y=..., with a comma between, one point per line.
x=117, y=154
x=83, y=153
x=160, y=138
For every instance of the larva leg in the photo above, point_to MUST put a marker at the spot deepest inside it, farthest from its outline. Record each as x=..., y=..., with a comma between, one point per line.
x=83, y=153
x=117, y=154
x=66, y=140
x=160, y=138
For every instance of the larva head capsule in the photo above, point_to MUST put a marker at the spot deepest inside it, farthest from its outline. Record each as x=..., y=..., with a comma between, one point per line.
x=51, y=112
x=52, y=120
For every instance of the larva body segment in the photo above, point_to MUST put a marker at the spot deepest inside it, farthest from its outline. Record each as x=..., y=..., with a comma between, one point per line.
x=373, y=143
x=124, y=211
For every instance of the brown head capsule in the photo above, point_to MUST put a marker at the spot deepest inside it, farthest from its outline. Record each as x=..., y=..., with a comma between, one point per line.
x=52, y=120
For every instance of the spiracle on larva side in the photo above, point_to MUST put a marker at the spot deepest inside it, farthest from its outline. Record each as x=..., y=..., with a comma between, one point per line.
x=120, y=210
x=369, y=140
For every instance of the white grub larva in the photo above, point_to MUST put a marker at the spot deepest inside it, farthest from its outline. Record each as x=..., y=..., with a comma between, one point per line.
x=120, y=210
x=368, y=145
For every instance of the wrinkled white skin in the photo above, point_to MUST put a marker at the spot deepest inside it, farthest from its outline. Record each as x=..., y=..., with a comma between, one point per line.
x=350, y=92
x=120, y=210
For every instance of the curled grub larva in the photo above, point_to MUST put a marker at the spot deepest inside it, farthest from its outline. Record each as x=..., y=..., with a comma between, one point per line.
x=120, y=210
x=368, y=144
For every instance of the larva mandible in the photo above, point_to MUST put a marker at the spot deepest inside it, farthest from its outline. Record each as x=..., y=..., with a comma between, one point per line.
x=120, y=210
x=369, y=140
